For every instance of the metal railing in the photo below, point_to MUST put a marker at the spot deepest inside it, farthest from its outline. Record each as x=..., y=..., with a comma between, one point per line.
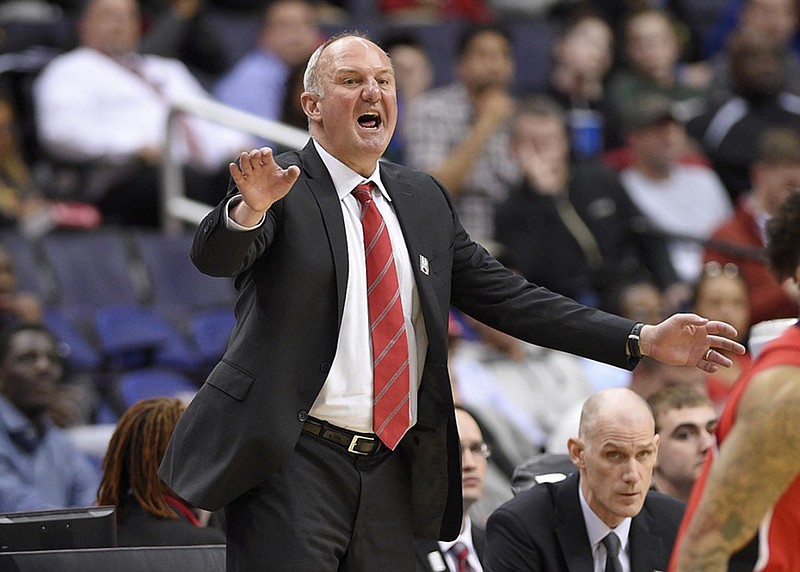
x=176, y=207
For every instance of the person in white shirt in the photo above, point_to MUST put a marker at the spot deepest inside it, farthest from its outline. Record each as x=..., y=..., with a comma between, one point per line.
x=685, y=201
x=104, y=106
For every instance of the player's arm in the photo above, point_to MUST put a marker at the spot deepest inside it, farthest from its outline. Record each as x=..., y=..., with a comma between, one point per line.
x=756, y=463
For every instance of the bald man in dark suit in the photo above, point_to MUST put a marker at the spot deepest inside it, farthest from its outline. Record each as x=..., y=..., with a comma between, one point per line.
x=562, y=526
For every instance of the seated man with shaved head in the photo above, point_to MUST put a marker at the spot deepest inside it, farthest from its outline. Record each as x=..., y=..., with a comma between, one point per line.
x=602, y=517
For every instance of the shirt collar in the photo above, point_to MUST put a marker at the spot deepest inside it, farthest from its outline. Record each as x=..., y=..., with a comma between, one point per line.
x=344, y=178
x=19, y=427
x=597, y=529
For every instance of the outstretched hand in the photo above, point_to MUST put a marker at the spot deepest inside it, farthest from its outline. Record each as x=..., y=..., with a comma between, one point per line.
x=261, y=181
x=688, y=339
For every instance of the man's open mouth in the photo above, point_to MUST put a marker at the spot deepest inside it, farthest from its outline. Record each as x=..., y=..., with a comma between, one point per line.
x=369, y=120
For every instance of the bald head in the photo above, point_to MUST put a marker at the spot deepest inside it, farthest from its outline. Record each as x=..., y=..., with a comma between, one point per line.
x=618, y=405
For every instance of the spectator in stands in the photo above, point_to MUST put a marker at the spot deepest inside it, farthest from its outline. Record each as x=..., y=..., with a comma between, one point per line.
x=148, y=512
x=570, y=226
x=684, y=202
x=105, y=107
x=775, y=173
x=728, y=132
x=261, y=80
x=40, y=467
x=413, y=72
x=722, y=294
x=638, y=298
x=685, y=420
x=15, y=307
x=774, y=21
x=566, y=525
x=459, y=132
x=76, y=396
x=652, y=54
x=466, y=551
x=582, y=57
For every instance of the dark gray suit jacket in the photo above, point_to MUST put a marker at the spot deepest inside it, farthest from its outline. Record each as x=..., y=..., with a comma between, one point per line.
x=291, y=275
x=542, y=529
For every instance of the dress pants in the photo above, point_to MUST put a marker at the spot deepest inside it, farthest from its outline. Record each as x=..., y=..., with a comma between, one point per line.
x=325, y=510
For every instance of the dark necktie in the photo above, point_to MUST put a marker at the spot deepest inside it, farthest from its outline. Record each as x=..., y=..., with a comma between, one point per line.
x=461, y=554
x=612, y=544
x=391, y=416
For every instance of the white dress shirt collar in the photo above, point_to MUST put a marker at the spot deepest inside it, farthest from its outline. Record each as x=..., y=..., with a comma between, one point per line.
x=344, y=178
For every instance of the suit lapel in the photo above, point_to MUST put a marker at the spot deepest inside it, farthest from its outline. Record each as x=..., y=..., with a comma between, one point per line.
x=320, y=185
x=645, y=546
x=403, y=201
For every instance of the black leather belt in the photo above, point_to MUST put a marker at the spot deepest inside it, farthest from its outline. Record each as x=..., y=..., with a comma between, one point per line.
x=356, y=443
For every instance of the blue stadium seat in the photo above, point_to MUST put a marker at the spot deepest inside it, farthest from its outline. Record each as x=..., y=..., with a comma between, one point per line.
x=132, y=336
x=92, y=269
x=139, y=384
x=178, y=288
x=78, y=350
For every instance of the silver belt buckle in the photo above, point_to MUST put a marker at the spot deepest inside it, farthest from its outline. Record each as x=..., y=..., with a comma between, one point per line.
x=354, y=442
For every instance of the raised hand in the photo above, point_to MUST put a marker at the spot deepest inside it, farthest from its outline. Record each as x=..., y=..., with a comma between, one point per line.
x=688, y=339
x=262, y=182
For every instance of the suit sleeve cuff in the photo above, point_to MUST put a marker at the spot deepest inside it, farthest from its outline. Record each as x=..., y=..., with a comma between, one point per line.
x=231, y=224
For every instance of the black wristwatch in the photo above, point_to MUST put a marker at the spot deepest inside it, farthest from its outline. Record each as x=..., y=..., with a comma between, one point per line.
x=634, y=352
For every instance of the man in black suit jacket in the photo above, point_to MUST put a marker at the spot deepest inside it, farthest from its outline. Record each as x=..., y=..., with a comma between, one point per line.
x=281, y=431
x=560, y=526
x=441, y=556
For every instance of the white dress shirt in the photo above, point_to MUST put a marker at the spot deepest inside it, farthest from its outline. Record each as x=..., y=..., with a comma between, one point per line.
x=597, y=531
x=92, y=107
x=346, y=397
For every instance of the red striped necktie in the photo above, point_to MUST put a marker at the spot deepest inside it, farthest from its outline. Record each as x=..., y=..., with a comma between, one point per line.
x=390, y=412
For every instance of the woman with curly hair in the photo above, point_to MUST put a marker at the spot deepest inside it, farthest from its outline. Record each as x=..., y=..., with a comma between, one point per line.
x=148, y=512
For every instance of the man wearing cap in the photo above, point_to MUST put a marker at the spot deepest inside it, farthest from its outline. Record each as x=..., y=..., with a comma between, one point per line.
x=682, y=199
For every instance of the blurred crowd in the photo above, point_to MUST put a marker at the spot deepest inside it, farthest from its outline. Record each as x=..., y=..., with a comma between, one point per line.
x=628, y=154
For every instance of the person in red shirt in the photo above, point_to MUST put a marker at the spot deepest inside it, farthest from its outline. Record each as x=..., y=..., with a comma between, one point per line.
x=740, y=240
x=752, y=485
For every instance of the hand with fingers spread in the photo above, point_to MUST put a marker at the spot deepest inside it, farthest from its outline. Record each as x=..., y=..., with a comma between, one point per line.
x=262, y=182
x=688, y=339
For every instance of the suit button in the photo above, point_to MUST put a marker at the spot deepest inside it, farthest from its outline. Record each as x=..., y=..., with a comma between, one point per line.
x=302, y=416
x=325, y=367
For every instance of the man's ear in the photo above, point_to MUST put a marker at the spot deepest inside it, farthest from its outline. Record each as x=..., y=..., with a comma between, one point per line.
x=310, y=104
x=576, y=449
